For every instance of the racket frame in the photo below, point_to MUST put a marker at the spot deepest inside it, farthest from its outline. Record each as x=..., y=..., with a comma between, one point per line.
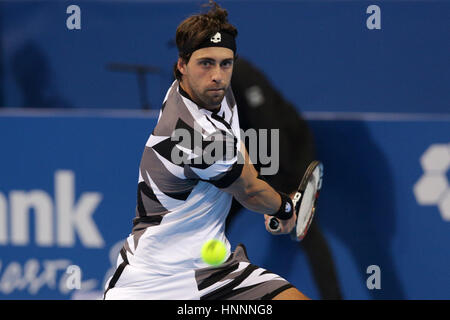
x=298, y=198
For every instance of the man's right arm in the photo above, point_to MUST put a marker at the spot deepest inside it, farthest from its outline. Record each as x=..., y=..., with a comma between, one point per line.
x=257, y=195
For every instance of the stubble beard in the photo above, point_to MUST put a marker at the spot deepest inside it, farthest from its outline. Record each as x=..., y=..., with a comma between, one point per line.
x=206, y=98
x=213, y=99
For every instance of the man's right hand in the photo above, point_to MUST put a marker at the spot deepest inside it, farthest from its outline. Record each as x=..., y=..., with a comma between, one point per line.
x=286, y=226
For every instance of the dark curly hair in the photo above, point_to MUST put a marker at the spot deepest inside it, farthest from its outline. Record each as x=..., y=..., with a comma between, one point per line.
x=193, y=30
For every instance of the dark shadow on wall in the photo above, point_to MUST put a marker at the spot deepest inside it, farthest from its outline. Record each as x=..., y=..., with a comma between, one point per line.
x=2, y=97
x=261, y=106
x=358, y=200
x=32, y=72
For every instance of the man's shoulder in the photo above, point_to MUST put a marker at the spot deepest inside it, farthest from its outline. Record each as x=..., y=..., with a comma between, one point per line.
x=174, y=113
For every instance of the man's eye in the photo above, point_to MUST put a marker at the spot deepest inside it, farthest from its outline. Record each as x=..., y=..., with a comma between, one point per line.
x=227, y=64
x=205, y=63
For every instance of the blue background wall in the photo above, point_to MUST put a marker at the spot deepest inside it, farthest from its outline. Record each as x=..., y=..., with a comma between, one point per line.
x=376, y=100
x=322, y=47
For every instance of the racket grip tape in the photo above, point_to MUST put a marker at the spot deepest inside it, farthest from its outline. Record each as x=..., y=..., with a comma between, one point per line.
x=274, y=224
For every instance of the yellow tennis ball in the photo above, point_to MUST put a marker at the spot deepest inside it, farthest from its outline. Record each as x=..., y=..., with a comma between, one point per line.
x=214, y=252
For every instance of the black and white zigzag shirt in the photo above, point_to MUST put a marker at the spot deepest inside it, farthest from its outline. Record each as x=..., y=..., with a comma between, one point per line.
x=180, y=203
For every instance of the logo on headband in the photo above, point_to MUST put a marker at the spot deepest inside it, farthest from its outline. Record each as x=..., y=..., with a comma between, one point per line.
x=216, y=38
x=287, y=208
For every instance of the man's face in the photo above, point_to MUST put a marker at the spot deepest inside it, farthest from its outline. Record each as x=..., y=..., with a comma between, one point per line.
x=207, y=75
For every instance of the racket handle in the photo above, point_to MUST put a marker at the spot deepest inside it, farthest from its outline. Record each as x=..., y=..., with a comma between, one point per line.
x=274, y=224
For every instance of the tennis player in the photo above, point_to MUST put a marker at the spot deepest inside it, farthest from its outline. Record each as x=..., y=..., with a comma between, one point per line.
x=182, y=204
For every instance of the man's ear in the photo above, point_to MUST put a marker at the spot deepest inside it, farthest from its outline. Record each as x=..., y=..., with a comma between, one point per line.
x=181, y=65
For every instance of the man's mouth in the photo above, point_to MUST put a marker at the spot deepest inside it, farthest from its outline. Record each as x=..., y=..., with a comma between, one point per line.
x=216, y=89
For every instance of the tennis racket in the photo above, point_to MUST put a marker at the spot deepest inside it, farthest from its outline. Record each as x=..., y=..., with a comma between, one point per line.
x=305, y=201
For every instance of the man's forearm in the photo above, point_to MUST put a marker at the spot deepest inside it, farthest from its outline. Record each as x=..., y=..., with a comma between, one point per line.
x=261, y=198
x=253, y=193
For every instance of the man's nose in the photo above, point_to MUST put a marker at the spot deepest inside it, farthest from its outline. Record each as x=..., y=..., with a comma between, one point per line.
x=217, y=74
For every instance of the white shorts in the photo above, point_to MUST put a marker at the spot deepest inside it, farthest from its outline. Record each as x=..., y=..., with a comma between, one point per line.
x=235, y=279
